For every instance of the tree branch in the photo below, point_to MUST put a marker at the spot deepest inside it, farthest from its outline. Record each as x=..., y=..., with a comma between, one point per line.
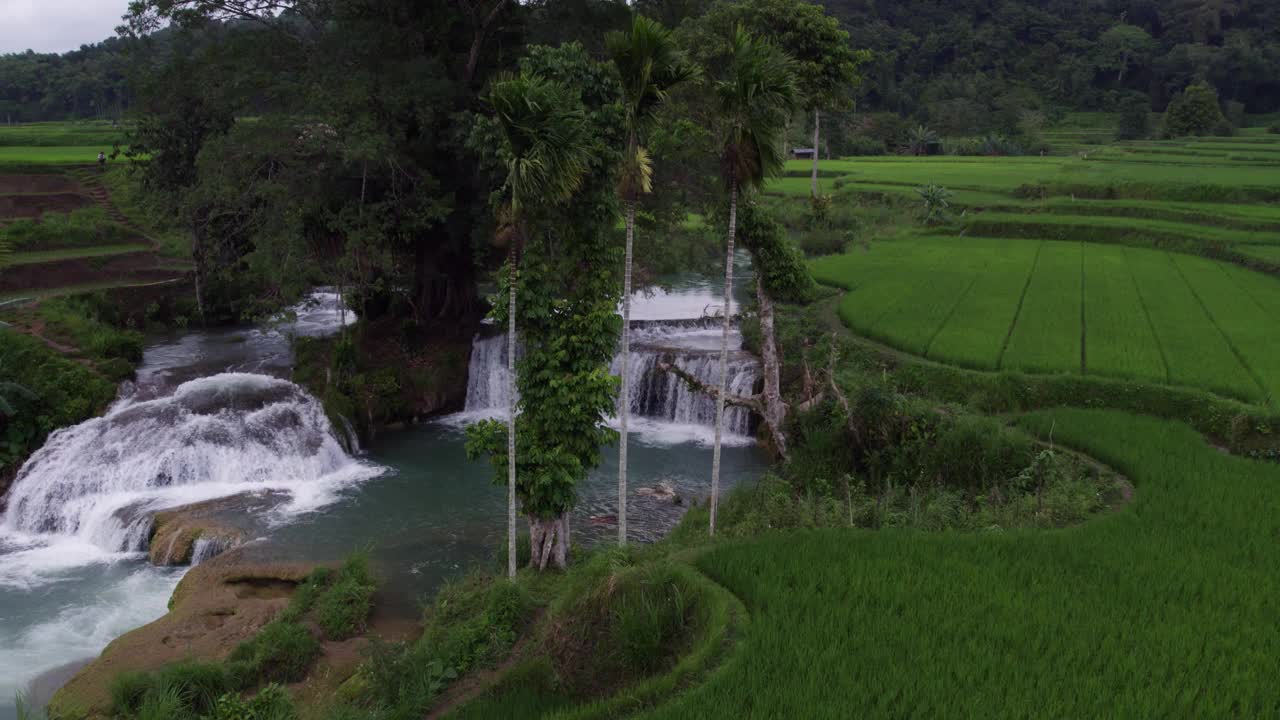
x=751, y=402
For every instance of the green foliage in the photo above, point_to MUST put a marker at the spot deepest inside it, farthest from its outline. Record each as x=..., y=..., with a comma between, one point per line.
x=57, y=392
x=86, y=227
x=778, y=261
x=342, y=609
x=935, y=204
x=755, y=96
x=271, y=703
x=1134, y=117
x=1195, y=112
x=566, y=318
x=78, y=321
x=186, y=689
x=282, y=651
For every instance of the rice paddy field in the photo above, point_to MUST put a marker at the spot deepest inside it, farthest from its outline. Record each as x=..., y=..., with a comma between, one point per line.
x=1166, y=608
x=1177, y=292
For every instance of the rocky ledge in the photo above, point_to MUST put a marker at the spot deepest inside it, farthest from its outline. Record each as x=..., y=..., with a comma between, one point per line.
x=192, y=534
x=216, y=606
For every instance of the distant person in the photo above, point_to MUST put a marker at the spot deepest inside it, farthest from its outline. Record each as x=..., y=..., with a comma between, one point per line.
x=102, y=160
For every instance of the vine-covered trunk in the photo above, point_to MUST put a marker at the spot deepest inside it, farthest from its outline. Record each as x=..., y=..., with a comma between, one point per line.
x=624, y=396
x=549, y=541
x=813, y=178
x=724, y=353
x=775, y=410
x=511, y=415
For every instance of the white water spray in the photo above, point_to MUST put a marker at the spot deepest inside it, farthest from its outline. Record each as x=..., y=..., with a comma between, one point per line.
x=96, y=484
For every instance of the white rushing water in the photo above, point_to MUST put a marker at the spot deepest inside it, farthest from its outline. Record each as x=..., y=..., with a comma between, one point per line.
x=200, y=423
x=664, y=410
x=86, y=494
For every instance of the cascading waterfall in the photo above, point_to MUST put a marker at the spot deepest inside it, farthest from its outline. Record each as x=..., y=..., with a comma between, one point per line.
x=658, y=396
x=218, y=436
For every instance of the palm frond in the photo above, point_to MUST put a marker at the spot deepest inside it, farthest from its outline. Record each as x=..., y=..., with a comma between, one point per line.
x=545, y=139
x=756, y=97
x=649, y=65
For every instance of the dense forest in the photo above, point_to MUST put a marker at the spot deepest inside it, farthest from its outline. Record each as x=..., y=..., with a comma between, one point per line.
x=949, y=62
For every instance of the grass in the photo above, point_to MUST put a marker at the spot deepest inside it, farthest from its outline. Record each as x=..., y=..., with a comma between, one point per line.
x=1165, y=609
x=44, y=256
x=62, y=134
x=1139, y=312
x=85, y=227
x=1046, y=335
x=56, y=155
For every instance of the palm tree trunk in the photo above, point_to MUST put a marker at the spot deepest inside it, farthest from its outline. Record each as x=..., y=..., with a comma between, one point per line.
x=624, y=397
x=511, y=416
x=724, y=353
x=813, y=178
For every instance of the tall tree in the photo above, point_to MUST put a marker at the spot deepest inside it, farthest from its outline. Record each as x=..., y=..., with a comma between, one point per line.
x=826, y=66
x=569, y=285
x=1121, y=46
x=755, y=97
x=649, y=65
x=542, y=135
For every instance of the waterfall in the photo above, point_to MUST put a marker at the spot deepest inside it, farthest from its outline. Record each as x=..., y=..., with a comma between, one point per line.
x=657, y=396
x=207, y=548
x=662, y=396
x=98, y=482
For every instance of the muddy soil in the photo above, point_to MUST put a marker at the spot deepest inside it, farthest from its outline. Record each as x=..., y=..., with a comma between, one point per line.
x=35, y=206
x=138, y=267
x=11, y=184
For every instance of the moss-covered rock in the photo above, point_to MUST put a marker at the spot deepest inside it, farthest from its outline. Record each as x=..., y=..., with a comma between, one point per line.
x=217, y=605
x=176, y=534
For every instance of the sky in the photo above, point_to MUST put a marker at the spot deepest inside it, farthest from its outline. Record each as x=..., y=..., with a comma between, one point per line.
x=57, y=25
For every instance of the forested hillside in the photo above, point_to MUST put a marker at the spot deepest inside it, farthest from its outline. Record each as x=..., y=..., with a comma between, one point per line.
x=954, y=60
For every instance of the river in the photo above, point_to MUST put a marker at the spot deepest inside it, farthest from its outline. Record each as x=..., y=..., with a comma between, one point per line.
x=212, y=415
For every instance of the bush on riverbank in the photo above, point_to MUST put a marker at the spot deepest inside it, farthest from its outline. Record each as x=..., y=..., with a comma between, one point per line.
x=283, y=651
x=42, y=391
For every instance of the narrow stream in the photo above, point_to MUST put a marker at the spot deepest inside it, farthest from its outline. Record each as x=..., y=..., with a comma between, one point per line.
x=212, y=415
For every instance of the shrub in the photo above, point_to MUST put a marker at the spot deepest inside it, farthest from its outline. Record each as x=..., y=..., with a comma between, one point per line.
x=1134, y=121
x=1274, y=129
x=1194, y=111
x=280, y=652
x=342, y=610
x=271, y=703
x=171, y=692
x=935, y=204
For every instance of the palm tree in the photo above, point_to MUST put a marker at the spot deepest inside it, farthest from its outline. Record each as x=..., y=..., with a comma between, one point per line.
x=649, y=65
x=543, y=131
x=920, y=139
x=755, y=99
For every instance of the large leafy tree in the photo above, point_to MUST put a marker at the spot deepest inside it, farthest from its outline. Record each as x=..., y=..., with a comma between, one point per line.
x=563, y=118
x=542, y=128
x=649, y=64
x=754, y=96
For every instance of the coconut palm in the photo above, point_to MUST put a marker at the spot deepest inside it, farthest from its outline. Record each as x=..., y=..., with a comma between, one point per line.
x=544, y=149
x=755, y=98
x=649, y=65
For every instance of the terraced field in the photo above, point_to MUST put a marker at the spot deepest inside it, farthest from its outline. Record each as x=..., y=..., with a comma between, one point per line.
x=65, y=234
x=1174, y=291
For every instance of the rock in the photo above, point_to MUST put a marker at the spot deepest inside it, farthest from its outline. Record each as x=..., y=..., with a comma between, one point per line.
x=191, y=534
x=662, y=491
x=216, y=606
